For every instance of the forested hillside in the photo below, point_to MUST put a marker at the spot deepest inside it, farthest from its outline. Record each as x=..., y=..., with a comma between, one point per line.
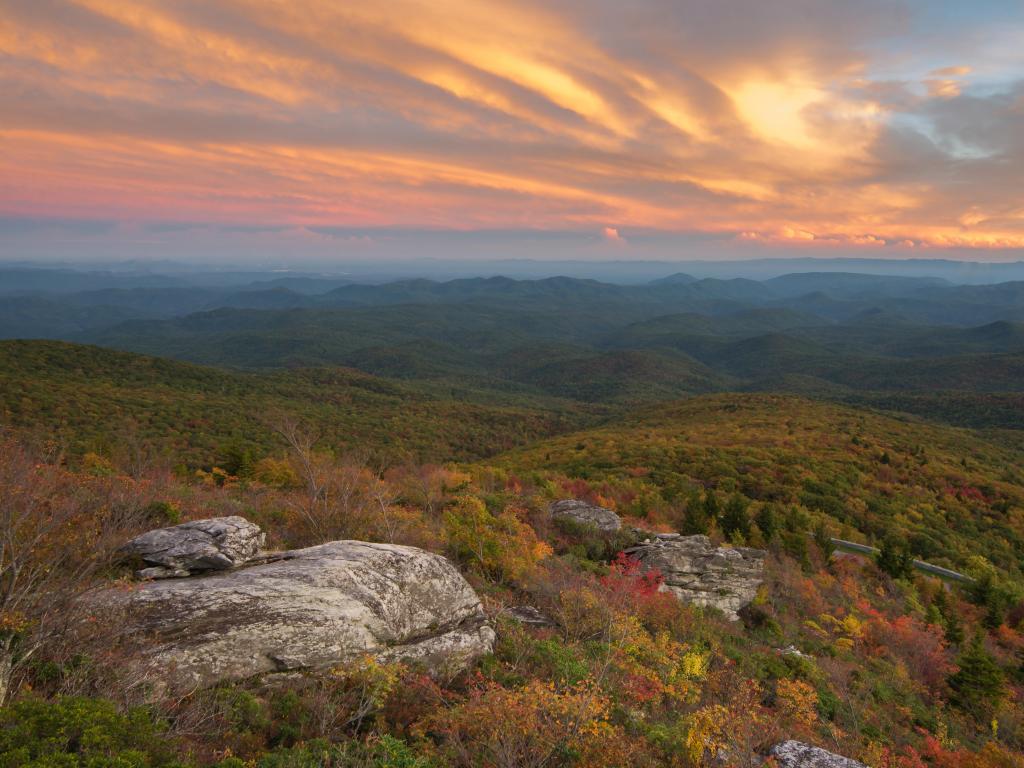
x=348, y=424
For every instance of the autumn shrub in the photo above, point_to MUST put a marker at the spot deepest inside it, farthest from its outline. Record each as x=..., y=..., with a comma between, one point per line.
x=276, y=473
x=536, y=725
x=500, y=546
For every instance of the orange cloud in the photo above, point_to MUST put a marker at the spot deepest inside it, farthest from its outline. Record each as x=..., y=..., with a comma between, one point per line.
x=466, y=114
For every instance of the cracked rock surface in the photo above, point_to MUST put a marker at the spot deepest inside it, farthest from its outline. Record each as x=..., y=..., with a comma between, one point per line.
x=796, y=754
x=726, y=578
x=587, y=514
x=217, y=543
x=307, y=609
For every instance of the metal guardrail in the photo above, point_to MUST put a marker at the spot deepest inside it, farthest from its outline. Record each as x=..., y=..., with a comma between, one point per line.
x=921, y=565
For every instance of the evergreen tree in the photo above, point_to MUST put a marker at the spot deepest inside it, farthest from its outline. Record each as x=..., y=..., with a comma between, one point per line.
x=942, y=614
x=895, y=559
x=979, y=685
x=712, y=510
x=735, y=520
x=990, y=595
x=696, y=520
x=954, y=628
x=823, y=538
x=767, y=520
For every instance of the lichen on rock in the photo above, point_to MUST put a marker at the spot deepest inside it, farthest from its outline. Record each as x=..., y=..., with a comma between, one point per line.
x=726, y=578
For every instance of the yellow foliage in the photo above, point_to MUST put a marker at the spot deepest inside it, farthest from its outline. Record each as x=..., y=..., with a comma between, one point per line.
x=500, y=546
x=277, y=473
x=797, y=702
x=707, y=733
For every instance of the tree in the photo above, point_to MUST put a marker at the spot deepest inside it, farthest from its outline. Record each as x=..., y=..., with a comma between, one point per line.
x=895, y=559
x=712, y=510
x=696, y=520
x=735, y=520
x=949, y=618
x=767, y=520
x=979, y=685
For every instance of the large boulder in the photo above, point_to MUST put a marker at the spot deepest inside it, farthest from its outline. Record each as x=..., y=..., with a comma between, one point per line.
x=217, y=543
x=306, y=609
x=796, y=754
x=584, y=513
x=726, y=578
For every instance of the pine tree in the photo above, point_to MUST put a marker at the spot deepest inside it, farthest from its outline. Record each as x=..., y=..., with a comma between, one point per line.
x=712, y=510
x=895, y=559
x=954, y=628
x=767, y=521
x=979, y=685
x=735, y=520
x=696, y=520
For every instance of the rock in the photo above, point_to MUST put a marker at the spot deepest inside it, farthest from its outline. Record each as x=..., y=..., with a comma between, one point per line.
x=725, y=578
x=306, y=609
x=217, y=543
x=584, y=513
x=530, y=616
x=792, y=650
x=796, y=754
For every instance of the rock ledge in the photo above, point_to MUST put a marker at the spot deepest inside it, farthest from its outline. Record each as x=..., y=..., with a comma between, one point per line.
x=217, y=543
x=585, y=513
x=306, y=609
x=726, y=578
x=796, y=754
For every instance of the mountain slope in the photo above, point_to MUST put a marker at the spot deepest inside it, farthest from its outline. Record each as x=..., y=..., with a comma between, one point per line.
x=100, y=400
x=951, y=493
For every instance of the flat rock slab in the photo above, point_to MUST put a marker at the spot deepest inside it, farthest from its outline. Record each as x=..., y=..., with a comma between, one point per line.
x=584, y=513
x=306, y=609
x=796, y=754
x=530, y=616
x=726, y=578
x=217, y=543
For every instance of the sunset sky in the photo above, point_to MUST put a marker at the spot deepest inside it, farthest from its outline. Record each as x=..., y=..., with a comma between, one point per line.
x=606, y=128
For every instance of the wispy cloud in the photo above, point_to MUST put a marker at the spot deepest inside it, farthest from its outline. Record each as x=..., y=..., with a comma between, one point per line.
x=829, y=123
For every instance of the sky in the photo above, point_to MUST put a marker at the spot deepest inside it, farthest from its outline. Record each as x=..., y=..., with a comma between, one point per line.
x=290, y=129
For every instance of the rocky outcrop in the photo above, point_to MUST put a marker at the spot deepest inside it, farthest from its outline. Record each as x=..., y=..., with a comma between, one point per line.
x=726, y=578
x=583, y=513
x=796, y=754
x=306, y=609
x=217, y=543
x=529, y=616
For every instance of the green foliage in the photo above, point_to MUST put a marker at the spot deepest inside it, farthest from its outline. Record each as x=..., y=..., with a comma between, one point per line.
x=895, y=558
x=72, y=732
x=799, y=455
x=735, y=520
x=767, y=521
x=979, y=684
x=113, y=406
x=696, y=520
x=384, y=752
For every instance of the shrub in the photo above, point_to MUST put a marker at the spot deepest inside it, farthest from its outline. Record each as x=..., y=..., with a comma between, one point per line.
x=72, y=732
x=500, y=546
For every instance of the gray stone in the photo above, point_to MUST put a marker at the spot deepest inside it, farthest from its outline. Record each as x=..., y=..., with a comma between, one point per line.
x=217, y=543
x=792, y=650
x=530, y=616
x=306, y=609
x=585, y=513
x=726, y=578
x=796, y=754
